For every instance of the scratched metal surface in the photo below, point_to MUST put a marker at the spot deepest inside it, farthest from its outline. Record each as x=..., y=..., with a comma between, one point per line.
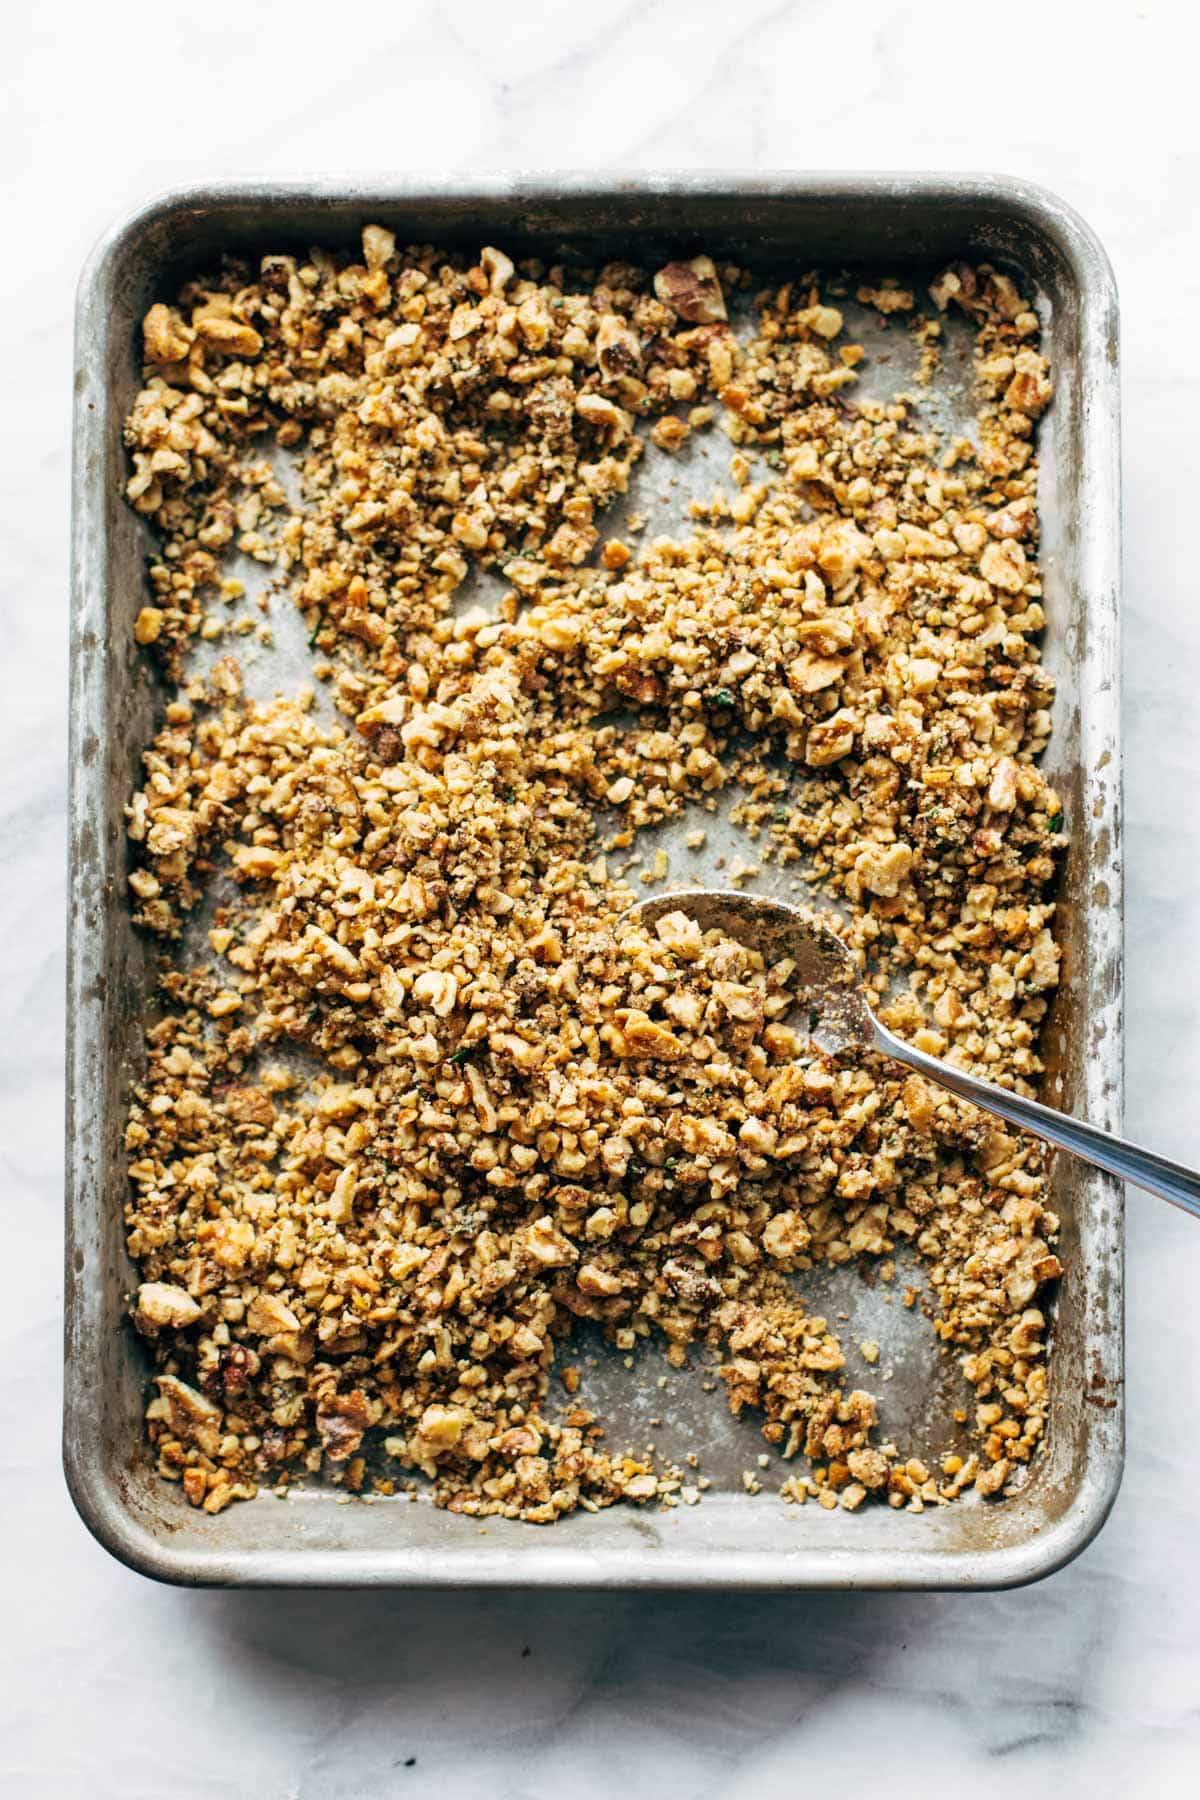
x=731, y=1538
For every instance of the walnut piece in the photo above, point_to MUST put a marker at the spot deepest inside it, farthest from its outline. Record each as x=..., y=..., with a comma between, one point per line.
x=692, y=290
x=163, y=1307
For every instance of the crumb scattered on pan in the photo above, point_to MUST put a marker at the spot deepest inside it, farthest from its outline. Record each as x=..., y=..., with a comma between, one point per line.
x=511, y=1109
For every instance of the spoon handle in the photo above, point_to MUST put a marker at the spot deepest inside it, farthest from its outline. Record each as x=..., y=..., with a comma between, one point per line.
x=1169, y=1180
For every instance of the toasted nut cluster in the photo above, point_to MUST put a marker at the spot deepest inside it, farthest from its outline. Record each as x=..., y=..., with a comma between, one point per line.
x=448, y=414
x=437, y=1097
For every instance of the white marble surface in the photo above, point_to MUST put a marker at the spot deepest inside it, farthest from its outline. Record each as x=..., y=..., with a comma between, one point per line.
x=1089, y=1683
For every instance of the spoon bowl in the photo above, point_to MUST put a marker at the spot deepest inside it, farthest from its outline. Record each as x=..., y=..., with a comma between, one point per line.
x=826, y=981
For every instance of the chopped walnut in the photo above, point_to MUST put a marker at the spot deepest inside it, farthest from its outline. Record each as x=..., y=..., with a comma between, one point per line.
x=166, y=336
x=517, y=1108
x=164, y=1307
x=692, y=290
x=229, y=336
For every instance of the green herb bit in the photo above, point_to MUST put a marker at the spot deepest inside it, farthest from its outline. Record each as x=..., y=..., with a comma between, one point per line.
x=723, y=697
x=1055, y=824
x=464, y=1053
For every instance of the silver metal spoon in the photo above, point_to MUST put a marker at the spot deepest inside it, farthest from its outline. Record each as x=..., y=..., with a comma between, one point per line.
x=828, y=984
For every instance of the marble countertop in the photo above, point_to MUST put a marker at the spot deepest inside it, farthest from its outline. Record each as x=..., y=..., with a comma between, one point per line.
x=1087, y=1683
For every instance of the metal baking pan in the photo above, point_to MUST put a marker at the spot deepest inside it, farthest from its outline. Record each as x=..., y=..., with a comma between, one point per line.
x=732, y=1539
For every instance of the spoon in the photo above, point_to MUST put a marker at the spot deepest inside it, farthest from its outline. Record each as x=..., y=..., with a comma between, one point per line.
x=829, y=985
